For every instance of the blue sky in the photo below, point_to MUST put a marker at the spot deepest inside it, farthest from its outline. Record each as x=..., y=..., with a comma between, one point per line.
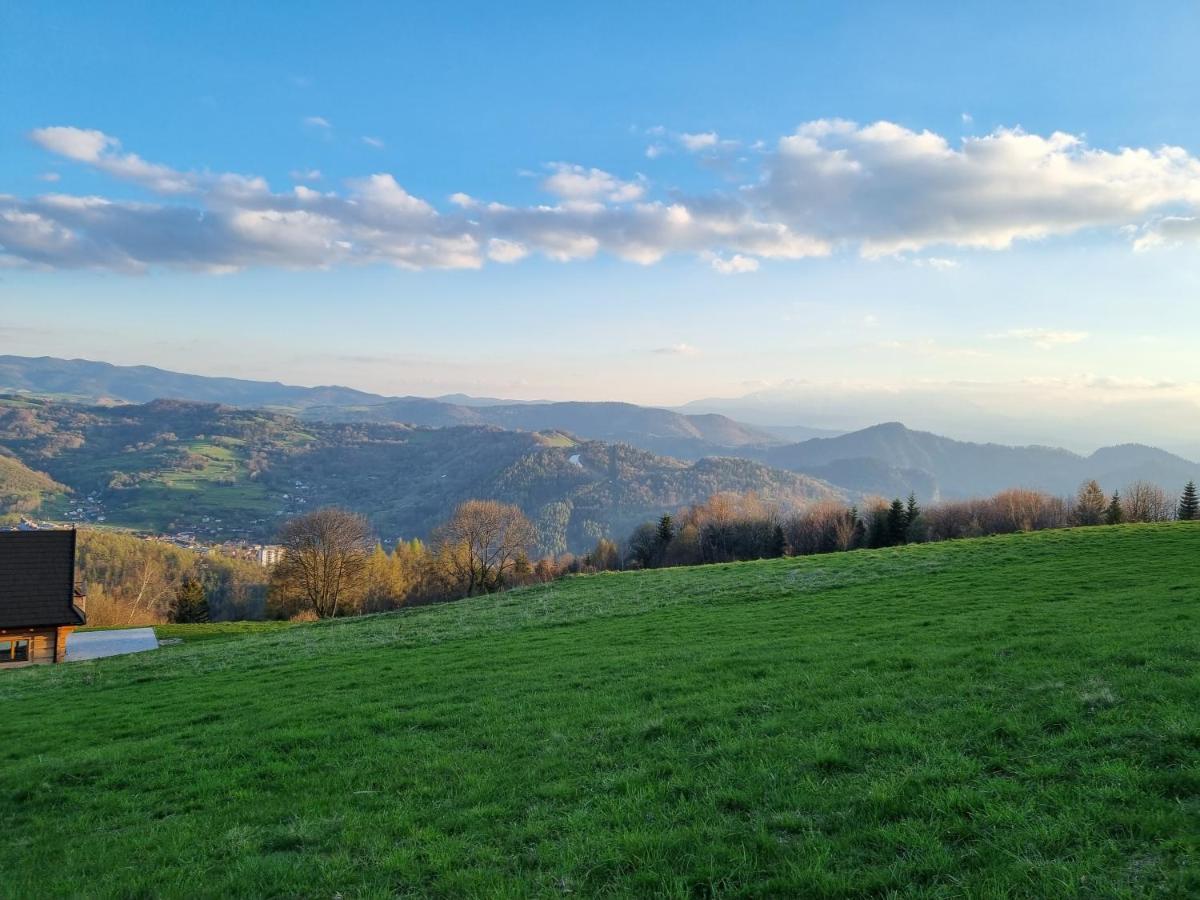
x=500, y=191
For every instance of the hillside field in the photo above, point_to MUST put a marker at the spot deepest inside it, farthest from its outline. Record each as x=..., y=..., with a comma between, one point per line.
x=1004, y=717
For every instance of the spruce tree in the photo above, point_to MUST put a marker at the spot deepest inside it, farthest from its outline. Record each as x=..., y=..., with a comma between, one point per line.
x=778, y=546
x=1114, y=515
x=1189, y=503
x=666, y=530
x=191, y=603
x=897, y=523
x=912, y=511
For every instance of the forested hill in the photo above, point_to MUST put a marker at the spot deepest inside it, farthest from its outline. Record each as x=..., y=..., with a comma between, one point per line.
x=90, y=381
x=225, y=472
x=892, y=459
x=657, y=430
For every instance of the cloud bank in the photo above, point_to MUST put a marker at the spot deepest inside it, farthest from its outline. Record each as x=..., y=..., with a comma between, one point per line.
x=831, y=186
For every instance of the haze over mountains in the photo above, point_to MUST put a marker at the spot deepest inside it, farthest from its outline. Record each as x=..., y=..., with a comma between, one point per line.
x=887, y=459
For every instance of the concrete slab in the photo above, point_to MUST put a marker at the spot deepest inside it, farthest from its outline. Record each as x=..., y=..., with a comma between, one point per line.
x=97, y=644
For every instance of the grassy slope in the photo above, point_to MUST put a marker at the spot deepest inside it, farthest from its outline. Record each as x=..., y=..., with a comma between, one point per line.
x=1014, y=716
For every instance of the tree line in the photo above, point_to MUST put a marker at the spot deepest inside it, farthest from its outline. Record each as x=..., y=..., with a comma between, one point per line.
x=732, y=527
x=332, y=566
x=133, y=581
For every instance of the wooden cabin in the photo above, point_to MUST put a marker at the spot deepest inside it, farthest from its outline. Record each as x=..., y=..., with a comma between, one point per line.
x=39, y=603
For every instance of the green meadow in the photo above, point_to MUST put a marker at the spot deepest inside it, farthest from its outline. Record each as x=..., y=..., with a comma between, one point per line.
x=1005, y=717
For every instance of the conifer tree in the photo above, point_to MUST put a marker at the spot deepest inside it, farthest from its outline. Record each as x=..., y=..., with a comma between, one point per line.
x=897, y=523
x=666, y=530
x=191, y=603
x=1114, y=515
x=912, y=511
x=778, y=545
x=1089, y=504
x=1189, y=503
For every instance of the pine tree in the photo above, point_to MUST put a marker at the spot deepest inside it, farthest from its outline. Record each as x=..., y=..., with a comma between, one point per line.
x=912, y=514
x=897, y=523
x=912, y=511
x=666, y=530
x=1189, y=503
x=191, y=603
x=778, y=546
x=1114, y=515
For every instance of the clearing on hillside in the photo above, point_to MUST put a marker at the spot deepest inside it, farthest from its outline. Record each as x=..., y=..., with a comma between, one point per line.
x=1015, y=716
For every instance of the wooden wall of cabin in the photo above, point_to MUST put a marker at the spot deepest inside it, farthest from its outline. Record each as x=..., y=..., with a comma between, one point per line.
x=47, y=645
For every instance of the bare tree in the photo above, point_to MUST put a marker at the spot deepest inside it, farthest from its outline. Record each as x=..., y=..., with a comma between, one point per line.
x=1146, y=502
x=325, y=558
x=482, y=543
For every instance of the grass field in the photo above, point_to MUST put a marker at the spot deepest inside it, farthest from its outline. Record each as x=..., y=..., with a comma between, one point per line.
x=1007, y=717
x=210, y=631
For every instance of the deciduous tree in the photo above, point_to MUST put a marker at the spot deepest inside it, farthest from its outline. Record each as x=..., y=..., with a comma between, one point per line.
x=480, y=547
x=324, y=561
x=1090, y=504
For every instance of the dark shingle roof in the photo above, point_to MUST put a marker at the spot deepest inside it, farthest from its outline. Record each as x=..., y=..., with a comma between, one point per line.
x=37, y=578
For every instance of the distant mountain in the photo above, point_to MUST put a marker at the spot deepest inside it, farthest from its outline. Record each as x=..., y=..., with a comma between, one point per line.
x=100, y=382
x=468, y=400
x=656, y=430
x=935, y=466
x=224, y=472
x=794, y=433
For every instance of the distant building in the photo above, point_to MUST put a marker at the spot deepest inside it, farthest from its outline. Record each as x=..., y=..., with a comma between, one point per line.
x=269, y=554
x=40, y=604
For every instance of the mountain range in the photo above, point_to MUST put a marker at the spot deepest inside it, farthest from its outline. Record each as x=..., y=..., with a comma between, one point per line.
x=657, y=430
x=221, y=472
x=887, y=459
x=890, y=458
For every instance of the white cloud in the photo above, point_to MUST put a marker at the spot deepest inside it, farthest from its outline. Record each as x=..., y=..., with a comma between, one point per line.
x=831, y=185
x=940, y=263
x=576, y=183
x=654, y=151
x=49, y=176
x=100, y=151
x=967, y=118
x=735, y=265
x=306, y=174
x=886, y=189
x=80, y=144
x=700, y=141
x=1166, y=231
x=502, y=251
x=1042, y=338
x=676, y=350
x=317, y=122
x=375, y=142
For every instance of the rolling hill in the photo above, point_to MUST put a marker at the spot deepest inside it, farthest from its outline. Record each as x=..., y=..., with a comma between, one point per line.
x=224, y=472
x=88, y=381
x=22, y=489
x=657, y=430
x=1003, y=717
x=896, y=458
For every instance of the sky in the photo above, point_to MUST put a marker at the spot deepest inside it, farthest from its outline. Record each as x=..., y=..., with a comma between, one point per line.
x=983, y=219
